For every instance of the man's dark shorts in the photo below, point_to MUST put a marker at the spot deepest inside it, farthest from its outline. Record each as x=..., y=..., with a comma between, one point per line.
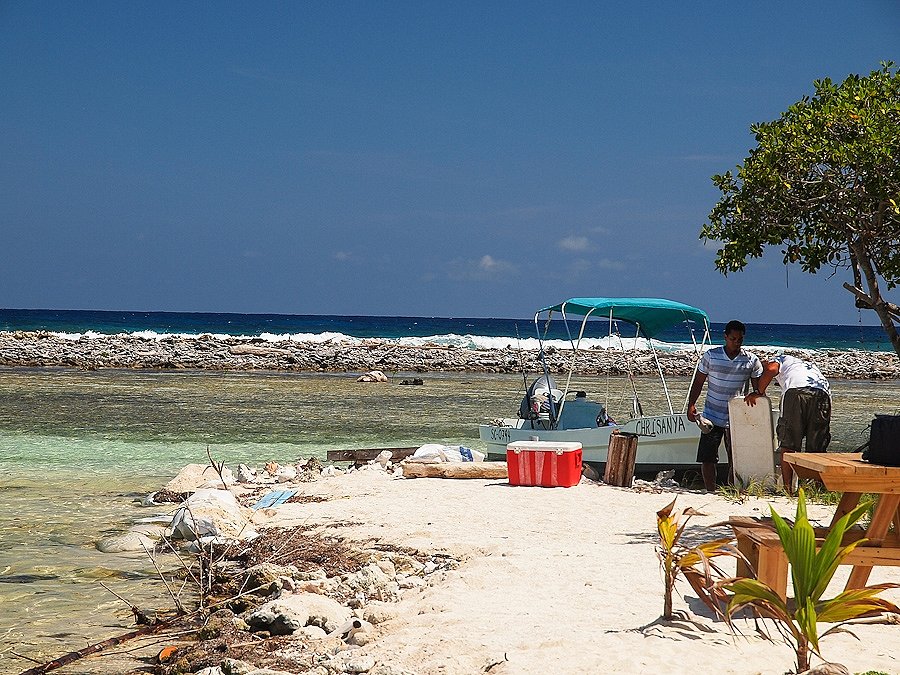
x=805, y=412
x=708, y=448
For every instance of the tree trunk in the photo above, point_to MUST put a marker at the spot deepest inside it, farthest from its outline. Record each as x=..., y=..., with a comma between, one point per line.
x=667, y=600
x=873, y=298
x=802, y=656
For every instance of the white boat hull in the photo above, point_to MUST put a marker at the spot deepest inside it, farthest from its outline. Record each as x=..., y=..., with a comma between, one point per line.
x=664, y=441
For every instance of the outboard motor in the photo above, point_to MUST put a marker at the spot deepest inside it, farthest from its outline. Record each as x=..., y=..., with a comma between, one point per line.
x=541, y=401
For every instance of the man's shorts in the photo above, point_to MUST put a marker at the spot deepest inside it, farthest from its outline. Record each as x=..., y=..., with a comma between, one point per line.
x=805, y=412
x=708, y=448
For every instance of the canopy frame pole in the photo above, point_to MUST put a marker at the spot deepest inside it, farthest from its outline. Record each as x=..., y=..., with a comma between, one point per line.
x=662, y=377
x=553, y=414
x=609, y=342
x=636, y=408
x=575, y=347
x=703, y=342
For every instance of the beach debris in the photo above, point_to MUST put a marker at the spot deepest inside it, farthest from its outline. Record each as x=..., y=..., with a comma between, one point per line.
x=164, y=497
x=166, y=654
x=274, y=498
x=436, y=453
x=211, y=513
x=246, y=474
x=664, y=482
x=286, y=474
x=372, y=376
x=414, y=381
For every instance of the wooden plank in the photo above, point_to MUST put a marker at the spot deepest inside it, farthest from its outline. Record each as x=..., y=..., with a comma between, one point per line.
x=454, y=470
x=850, y=483
x=865, y=557
x=361, y=455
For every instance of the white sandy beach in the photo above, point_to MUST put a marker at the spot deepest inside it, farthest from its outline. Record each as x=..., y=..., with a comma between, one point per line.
x=560, y=580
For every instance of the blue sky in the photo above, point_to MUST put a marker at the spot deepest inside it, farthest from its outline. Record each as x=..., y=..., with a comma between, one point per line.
x=400, y=158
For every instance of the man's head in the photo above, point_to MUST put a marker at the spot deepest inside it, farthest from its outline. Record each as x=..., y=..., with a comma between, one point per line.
x=734, y=336
x=735, y=325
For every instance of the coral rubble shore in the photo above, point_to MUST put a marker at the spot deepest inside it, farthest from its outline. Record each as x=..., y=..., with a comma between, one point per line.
x=207, y=352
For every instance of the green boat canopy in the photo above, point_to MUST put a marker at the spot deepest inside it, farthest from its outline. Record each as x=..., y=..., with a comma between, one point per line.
x=652, y=315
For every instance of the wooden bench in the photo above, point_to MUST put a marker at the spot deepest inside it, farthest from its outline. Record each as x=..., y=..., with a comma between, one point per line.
x=758, y=541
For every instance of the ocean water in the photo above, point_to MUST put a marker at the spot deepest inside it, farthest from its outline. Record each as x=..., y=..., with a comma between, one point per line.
x=77, y=448
x=464, y=332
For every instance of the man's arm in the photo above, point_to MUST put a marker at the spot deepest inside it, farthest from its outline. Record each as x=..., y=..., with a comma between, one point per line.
x=770, y=370
x=696, y=388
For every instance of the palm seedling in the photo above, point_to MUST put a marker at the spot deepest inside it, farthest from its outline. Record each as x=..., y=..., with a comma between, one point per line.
x=812, y=568
x=694, y=563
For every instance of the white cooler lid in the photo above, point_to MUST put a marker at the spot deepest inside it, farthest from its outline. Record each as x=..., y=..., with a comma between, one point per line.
x=545, y=446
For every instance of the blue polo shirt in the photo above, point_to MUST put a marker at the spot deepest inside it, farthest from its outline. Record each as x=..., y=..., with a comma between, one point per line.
x=725, y=379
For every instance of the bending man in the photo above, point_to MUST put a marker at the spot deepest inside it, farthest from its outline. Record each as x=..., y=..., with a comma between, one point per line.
x=727, y=368
x=805, y=408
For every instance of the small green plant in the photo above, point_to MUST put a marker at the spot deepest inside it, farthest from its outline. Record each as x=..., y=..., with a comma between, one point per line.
x=811, y=572
x=677, y=560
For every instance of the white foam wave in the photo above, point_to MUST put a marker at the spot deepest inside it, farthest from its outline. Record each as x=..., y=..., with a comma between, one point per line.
x=448, y=340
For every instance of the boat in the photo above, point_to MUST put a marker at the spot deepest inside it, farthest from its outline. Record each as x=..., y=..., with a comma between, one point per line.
x=667, y=439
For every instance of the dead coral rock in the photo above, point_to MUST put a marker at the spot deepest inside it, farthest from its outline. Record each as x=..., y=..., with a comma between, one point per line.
x=266, y=575
x=379, y=612
x=280, y=617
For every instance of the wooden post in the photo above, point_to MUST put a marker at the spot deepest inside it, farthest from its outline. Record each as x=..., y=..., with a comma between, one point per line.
x=620, y=459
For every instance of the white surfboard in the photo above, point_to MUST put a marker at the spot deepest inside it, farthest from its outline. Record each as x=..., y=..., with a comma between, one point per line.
x=752, y=440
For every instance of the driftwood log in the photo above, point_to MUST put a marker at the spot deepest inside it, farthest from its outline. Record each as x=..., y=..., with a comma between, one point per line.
x=455, y=470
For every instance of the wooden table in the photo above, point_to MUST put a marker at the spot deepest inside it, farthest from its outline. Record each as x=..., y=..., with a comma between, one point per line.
x=848, y=474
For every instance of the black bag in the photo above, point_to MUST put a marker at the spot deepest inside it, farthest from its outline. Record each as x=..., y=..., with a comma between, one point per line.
x=884, y=441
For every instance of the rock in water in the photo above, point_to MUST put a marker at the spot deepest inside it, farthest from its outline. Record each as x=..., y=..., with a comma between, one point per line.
x=122, y=543
x=372, y=376
x=212, y=513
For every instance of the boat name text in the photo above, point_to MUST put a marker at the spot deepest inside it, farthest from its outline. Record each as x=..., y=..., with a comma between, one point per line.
x=654, y=426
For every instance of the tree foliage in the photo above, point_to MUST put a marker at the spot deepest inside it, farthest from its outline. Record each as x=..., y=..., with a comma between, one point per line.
x=824, y=184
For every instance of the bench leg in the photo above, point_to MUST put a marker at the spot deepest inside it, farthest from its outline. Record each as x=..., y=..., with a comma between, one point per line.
x=772, y=569
x=751, y=553
x=885, y=513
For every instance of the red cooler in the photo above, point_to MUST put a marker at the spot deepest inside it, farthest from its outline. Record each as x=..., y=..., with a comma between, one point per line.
x=543, y=463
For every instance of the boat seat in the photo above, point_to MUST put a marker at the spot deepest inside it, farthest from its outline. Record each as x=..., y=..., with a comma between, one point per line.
x=579, y=414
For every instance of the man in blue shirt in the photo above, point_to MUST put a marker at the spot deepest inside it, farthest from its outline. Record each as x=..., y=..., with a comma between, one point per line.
x=727, y=369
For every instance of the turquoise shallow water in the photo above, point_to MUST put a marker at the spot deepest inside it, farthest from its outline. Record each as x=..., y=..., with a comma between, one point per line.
x=77, y=448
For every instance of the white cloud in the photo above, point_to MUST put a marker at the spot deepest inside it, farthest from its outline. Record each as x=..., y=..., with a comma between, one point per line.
x=607, y=264
x=342, y=256
x=574, y=243
x=485, y=267
x=488, y=264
